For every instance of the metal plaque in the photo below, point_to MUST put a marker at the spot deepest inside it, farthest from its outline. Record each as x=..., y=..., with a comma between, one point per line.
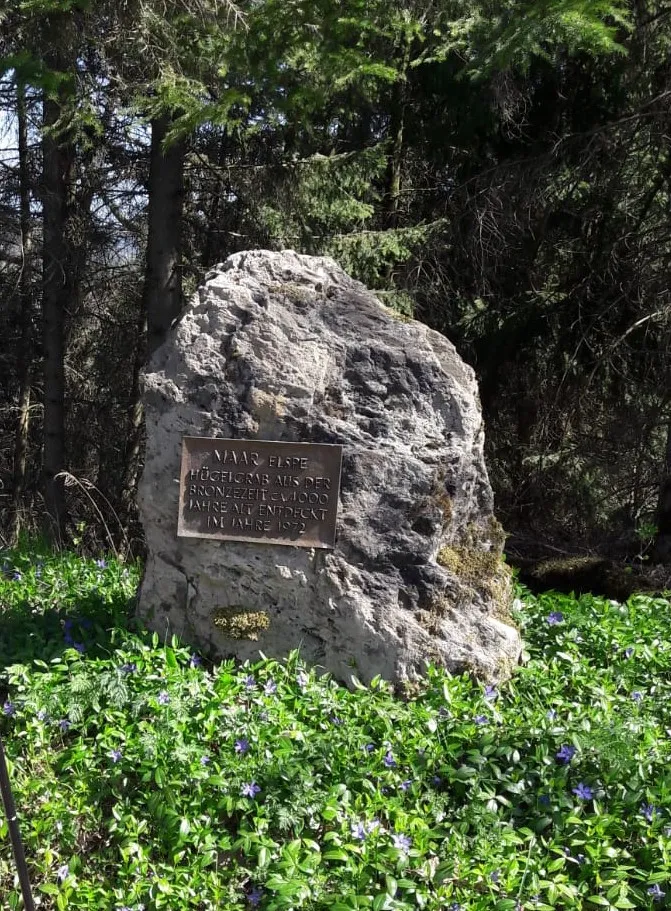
x=259, y=491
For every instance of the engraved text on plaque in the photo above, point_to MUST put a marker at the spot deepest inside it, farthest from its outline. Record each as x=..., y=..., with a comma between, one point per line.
x=259, y=491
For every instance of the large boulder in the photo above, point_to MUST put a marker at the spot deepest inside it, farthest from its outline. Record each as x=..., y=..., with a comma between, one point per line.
x=278, y=346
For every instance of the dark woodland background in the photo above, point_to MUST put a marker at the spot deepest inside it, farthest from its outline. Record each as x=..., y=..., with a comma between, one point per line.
x=501, y=170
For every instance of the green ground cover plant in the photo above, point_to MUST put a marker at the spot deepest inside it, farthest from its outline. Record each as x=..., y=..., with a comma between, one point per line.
x=147, y=779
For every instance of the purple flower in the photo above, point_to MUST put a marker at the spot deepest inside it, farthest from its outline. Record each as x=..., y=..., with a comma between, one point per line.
x=270, y=688
x=480, y=719
x=437, y=781
x=115, y=755
x=629, y=651
x=656, y=893
x=195, y=661
x=251, y=789
x=551, y=714
x=101, y=564
x=9, y=708
x=406, y=785
x=16, y=576
x=204, y=760
x=242, y=746
x=648, y=811
x=249, y=682
x=402, y=842
x=62, y=873
x=583, y=791
x=491, y=692
x=302, y=679
x=254, y=897
x=495, y=876
x=544, y=800
x=554, y=618
x=566, y=753
x=335, y=720
x=359, y=831
x=163, y=698
x=368, y=747
x=455, y=906
x=389, y=760
x=43, y=715
x=64, y=724
x=637, y=696
x=129, y=668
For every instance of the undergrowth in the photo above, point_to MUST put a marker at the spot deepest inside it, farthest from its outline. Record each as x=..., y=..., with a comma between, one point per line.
x=146, y=778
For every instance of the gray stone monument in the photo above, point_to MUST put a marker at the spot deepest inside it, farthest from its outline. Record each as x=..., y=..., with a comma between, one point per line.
x=314, y=479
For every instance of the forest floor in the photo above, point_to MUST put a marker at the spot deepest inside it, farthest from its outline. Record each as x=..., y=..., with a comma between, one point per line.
x=146, y=778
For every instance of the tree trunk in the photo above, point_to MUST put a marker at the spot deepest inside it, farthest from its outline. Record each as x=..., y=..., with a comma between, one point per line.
x=25, y=357
x=395, y=160
x=57, y=288
x=662, y=548
x=162, y=294
x=136, y=414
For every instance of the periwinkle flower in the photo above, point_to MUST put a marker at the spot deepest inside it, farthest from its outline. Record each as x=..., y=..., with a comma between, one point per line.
x=64, y=724
x=455, y=906
x=551, y=714
x=251, y=789
x=163, y=698
x=16, y=576
x=495, y=876
x=402, y=842
x=249, y=682
x=656, y=893
x=195, y=661
x=583, y=792
x=566, y=753
x=101, y=564
x=389, y=760
x=302, y=679
x=406, y=785
x=129, y=668
x=254, y=897
x=637, y=696
x=480, y=719
x=9, y=708
x=62, y=873
x=335, y=720
x=205, y=760
x=437, y=781
x=629, y=651
x=491, y=693
x=270, y=688
x=368, y=747
x=554, y=618
x=43, y=715
x=115, y=755
x=242, y=746
x=648, y=811
x=359, y=831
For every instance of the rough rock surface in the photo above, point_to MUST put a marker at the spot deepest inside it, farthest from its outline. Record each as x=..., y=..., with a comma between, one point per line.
x=279, y=346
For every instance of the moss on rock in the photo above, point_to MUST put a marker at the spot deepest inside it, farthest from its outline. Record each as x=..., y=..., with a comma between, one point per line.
x=238, y=623
x=476, y=561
